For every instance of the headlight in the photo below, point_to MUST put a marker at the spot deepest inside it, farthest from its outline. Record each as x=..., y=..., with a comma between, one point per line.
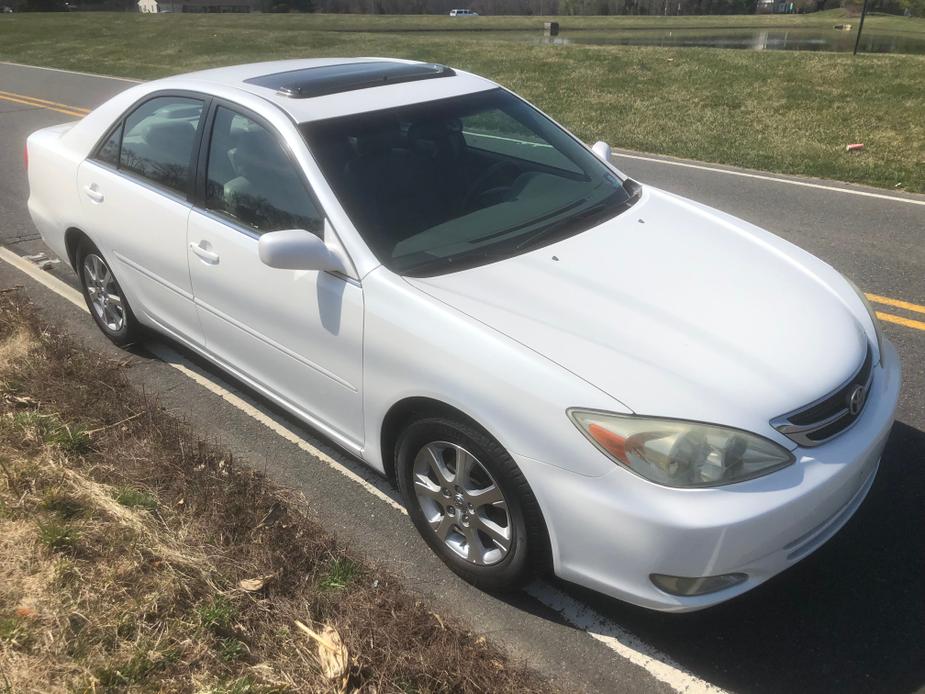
x=679, y=453
x=873, y=317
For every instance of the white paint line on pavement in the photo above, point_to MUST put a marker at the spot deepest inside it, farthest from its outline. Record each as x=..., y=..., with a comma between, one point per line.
x=618, y=639
x=763, y=177
x=237, y=399
x=575, y=613
x=210, y=383
x=71, y=72
x=625, y=155
x=45, y=278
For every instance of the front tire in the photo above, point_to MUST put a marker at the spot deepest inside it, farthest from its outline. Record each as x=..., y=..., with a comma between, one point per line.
x=471, y=504
x=104, y=297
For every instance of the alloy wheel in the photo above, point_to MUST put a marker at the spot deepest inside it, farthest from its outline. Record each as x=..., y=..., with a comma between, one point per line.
x=462, y=503
x=103, y=291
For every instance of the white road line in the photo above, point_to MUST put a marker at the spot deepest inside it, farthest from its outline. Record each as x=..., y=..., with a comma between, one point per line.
x=618, y=639
x=600, y=628
x=775, y=179
x=617, y=153
x=271, y=421
x=45, y=278
x=234, y=397
x=575, y=613
x=71, y=72
x=625, y=155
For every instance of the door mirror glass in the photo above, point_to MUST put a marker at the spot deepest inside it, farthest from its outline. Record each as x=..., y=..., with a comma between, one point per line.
x=605, y=154
x=298, y=249
x=602, y=150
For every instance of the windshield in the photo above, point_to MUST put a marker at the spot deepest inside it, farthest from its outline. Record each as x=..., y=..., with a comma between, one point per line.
x=452, y=184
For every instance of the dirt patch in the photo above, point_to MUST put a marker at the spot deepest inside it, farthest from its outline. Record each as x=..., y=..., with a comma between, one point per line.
x=136, y=557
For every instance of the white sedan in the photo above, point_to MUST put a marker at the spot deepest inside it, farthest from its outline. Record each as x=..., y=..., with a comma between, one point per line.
x=560, y=368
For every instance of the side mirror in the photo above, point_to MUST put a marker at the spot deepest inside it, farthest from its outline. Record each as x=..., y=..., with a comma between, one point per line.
x=602, y=150
x=297, y=249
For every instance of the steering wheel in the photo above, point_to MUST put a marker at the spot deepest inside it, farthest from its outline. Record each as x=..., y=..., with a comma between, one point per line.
x=477, y=186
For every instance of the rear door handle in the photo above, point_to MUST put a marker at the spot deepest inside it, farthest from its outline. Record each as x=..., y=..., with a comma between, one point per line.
x=209, y=256
x=93, y=193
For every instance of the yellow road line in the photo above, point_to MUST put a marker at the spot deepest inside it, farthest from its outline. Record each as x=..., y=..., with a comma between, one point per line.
x=29, y=101
x=897, y=303
x=45, y=101
x=899, y=320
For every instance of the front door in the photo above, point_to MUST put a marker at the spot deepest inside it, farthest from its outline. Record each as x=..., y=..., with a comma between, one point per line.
x=296, y=334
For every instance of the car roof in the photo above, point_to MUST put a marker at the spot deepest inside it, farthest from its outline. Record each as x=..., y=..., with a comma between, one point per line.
x=316, y=89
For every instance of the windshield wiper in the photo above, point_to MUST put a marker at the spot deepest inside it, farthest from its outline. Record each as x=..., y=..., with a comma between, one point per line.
x=490, y=252
x=462, y=261
x=458, y=261
x=591, y=212
x=530, y=222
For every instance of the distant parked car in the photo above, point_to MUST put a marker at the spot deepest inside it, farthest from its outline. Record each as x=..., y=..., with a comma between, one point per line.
x=463, y=13
x=559, y=366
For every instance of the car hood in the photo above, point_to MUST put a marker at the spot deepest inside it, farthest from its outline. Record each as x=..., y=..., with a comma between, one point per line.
x=674, y=310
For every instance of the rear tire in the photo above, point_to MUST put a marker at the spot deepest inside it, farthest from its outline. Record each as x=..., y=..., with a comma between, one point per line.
x=471, y=504
x=104, y=296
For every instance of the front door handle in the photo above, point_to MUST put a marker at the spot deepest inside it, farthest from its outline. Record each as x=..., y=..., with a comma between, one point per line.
x=209, y=256
x=93, y=193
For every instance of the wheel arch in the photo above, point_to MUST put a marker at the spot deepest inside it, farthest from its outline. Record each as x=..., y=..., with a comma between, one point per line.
x=72, y=238
x=407, y=410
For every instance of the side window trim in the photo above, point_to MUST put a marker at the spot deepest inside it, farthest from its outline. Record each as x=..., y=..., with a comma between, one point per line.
x=201, y=174
x=228, y=221
x=188, y=195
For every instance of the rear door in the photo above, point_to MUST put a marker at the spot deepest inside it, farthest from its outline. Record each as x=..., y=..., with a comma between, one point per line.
x=296, y=334
x=135, y=189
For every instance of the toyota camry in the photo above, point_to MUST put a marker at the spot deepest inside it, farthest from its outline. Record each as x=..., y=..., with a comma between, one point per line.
x=562, y=369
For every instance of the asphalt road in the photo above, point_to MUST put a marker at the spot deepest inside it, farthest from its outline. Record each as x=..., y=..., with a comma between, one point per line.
x=851, y=617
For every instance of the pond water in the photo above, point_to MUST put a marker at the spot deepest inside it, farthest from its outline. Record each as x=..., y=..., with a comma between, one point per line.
x=747, y=39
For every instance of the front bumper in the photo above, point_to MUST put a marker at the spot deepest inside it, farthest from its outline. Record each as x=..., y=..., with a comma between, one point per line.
x=610, y=533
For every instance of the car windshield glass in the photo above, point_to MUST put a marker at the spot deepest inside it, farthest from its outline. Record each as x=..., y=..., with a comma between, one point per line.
x=451, y=184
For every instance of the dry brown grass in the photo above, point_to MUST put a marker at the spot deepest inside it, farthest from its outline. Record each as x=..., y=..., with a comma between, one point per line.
x=123, y=540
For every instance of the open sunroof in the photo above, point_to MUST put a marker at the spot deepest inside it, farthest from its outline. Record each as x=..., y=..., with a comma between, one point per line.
x=347, y=77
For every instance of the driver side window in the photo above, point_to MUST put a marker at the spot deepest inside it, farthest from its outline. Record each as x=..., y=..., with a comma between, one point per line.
x=251, y=178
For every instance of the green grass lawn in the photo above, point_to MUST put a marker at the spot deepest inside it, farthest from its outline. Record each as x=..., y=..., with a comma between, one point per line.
x=774, y=110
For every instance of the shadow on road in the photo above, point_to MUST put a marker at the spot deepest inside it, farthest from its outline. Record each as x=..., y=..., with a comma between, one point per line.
x=850, y=617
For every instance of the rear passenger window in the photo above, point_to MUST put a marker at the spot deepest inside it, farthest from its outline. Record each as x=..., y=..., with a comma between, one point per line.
x=251, y=178
x=109, y=150
x=158, y=139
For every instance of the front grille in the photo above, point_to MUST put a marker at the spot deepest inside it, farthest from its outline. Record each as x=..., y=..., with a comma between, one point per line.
x=824, y=419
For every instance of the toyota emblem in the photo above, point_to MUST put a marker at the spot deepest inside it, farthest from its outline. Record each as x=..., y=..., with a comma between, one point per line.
x=856, y=400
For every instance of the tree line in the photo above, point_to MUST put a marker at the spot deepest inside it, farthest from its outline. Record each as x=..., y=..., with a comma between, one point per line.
x=501, y=7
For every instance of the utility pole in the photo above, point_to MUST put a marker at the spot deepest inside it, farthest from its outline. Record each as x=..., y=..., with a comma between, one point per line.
x=860, y=28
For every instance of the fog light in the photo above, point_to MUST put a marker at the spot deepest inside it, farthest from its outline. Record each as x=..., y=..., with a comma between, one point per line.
x=699, y=585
